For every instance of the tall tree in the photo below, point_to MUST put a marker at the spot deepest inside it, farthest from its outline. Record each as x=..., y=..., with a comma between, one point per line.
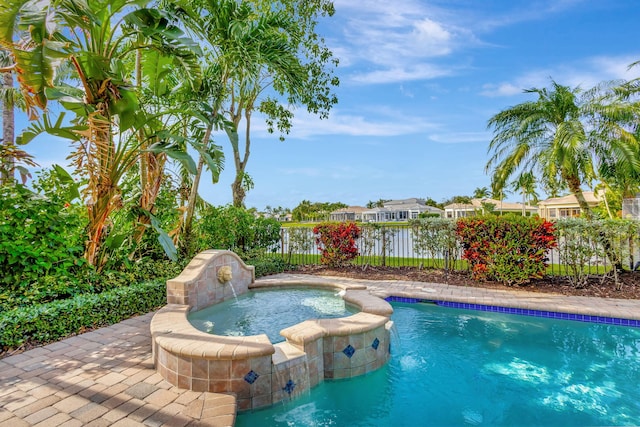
x=546, y=135
x=270, y=60
x=301, y=76
x=98, y=39
x=613, y=112
x=12, y=158
x=481, y=192
x=8, y=120
x=525, y=183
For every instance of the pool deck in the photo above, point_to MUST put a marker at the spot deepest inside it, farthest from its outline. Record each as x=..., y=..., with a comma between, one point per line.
x=106, y=377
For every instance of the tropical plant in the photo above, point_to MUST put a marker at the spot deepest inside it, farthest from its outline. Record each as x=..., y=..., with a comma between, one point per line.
x=481, y=192
x=526, y=184
x=337, y=242
x=545, y=136
x=613, y=112
x=564, y=136
x=98, y=39
x=12, y=158
x=40, y=237
x=236, y=229
x=261, y=51
x=510, y=249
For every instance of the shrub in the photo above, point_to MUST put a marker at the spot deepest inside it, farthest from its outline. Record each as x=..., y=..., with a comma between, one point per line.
x=508, y=249
x=43, y=323
x=39, y=237
x=337, y=242
x=235, y=229
x=436, y=238
x=299, y=241
x=377, y=236
x=581, y=245
x=266, y=265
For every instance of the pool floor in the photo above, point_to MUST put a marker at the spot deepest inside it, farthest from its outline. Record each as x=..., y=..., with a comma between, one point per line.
x=460, y=367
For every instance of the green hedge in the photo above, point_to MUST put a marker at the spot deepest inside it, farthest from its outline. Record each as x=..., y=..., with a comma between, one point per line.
x=44, y=323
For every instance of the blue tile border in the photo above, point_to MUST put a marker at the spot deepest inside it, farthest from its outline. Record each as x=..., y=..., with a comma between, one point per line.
x=522, y=311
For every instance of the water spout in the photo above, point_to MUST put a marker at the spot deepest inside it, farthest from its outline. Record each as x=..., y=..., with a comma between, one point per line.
x=224, y=277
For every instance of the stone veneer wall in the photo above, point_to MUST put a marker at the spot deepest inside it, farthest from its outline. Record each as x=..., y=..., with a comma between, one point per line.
x=197, y=285
x=256, y=371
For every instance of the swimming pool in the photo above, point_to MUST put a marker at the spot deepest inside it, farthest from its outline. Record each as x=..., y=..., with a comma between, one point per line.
x=269, y=311
x=460, y=367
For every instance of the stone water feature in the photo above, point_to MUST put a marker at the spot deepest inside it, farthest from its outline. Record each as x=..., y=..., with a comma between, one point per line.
x=256, y=371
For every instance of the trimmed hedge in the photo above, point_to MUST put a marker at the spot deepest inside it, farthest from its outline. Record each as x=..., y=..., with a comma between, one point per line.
x=267, y=265
x=509, y=249
x=44, y=323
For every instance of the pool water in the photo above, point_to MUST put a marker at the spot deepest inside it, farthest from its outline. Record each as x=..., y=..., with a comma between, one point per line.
x=269, y=311
x=452, y=367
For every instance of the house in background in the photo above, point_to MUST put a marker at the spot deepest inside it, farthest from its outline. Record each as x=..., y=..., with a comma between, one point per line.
x=566, y=206
x=399, y=210
x=394, y=210
x=631, y=207
x=478, y=207
x=352, y=213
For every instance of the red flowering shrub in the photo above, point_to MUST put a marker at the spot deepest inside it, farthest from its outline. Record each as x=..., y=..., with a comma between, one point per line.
x=508, y=249
x=337, y=242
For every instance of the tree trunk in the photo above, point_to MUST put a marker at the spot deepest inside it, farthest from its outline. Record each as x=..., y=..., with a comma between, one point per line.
x=237, y=189
x=8, y=132
x=193, y=195
x=103, y=193
x=573, y=183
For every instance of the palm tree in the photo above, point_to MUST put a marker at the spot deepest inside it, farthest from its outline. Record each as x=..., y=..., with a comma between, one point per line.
x=12, y=158
x=8, y=121
x=613, y=110
x=526, y=184
x=481, y=193
x=242, y=43
x=546, y=135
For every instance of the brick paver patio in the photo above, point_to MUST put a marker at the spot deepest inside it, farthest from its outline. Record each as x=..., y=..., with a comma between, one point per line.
x=106, y=378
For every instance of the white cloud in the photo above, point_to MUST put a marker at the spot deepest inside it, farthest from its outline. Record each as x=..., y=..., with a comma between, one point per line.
x=392, y=43
x=585, y=73
x=373, y=121
x=398, y=43
x=402, y=74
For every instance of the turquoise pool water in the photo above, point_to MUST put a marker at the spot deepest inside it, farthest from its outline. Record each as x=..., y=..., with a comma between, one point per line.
x=269, y=311
x=452, y=367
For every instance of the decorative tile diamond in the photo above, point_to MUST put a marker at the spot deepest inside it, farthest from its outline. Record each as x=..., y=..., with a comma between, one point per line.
x=349, y=350
x=251, y=377
x=375, y=343
x=289, y=386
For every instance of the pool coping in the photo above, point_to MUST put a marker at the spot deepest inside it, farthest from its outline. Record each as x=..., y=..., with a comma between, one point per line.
x=189, y=358
x=518, y=299
x=106, y=374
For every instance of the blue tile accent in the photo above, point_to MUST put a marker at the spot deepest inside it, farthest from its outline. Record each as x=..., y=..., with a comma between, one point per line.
x=375, y=343
x=289, y=386
x=349, y=350
x=251, y=377
x=522, y=311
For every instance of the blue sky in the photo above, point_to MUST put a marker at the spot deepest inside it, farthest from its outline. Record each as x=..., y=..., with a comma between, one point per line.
x=419, y=80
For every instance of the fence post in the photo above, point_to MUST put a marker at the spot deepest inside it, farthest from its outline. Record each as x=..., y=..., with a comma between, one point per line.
x=384, y=246
x=282, y=242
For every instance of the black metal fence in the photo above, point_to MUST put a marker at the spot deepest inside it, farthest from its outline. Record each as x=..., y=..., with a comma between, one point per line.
x=437, y=247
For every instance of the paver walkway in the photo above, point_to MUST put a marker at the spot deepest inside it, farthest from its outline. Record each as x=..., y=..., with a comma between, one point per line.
x=106, y=378
x=102, y=378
